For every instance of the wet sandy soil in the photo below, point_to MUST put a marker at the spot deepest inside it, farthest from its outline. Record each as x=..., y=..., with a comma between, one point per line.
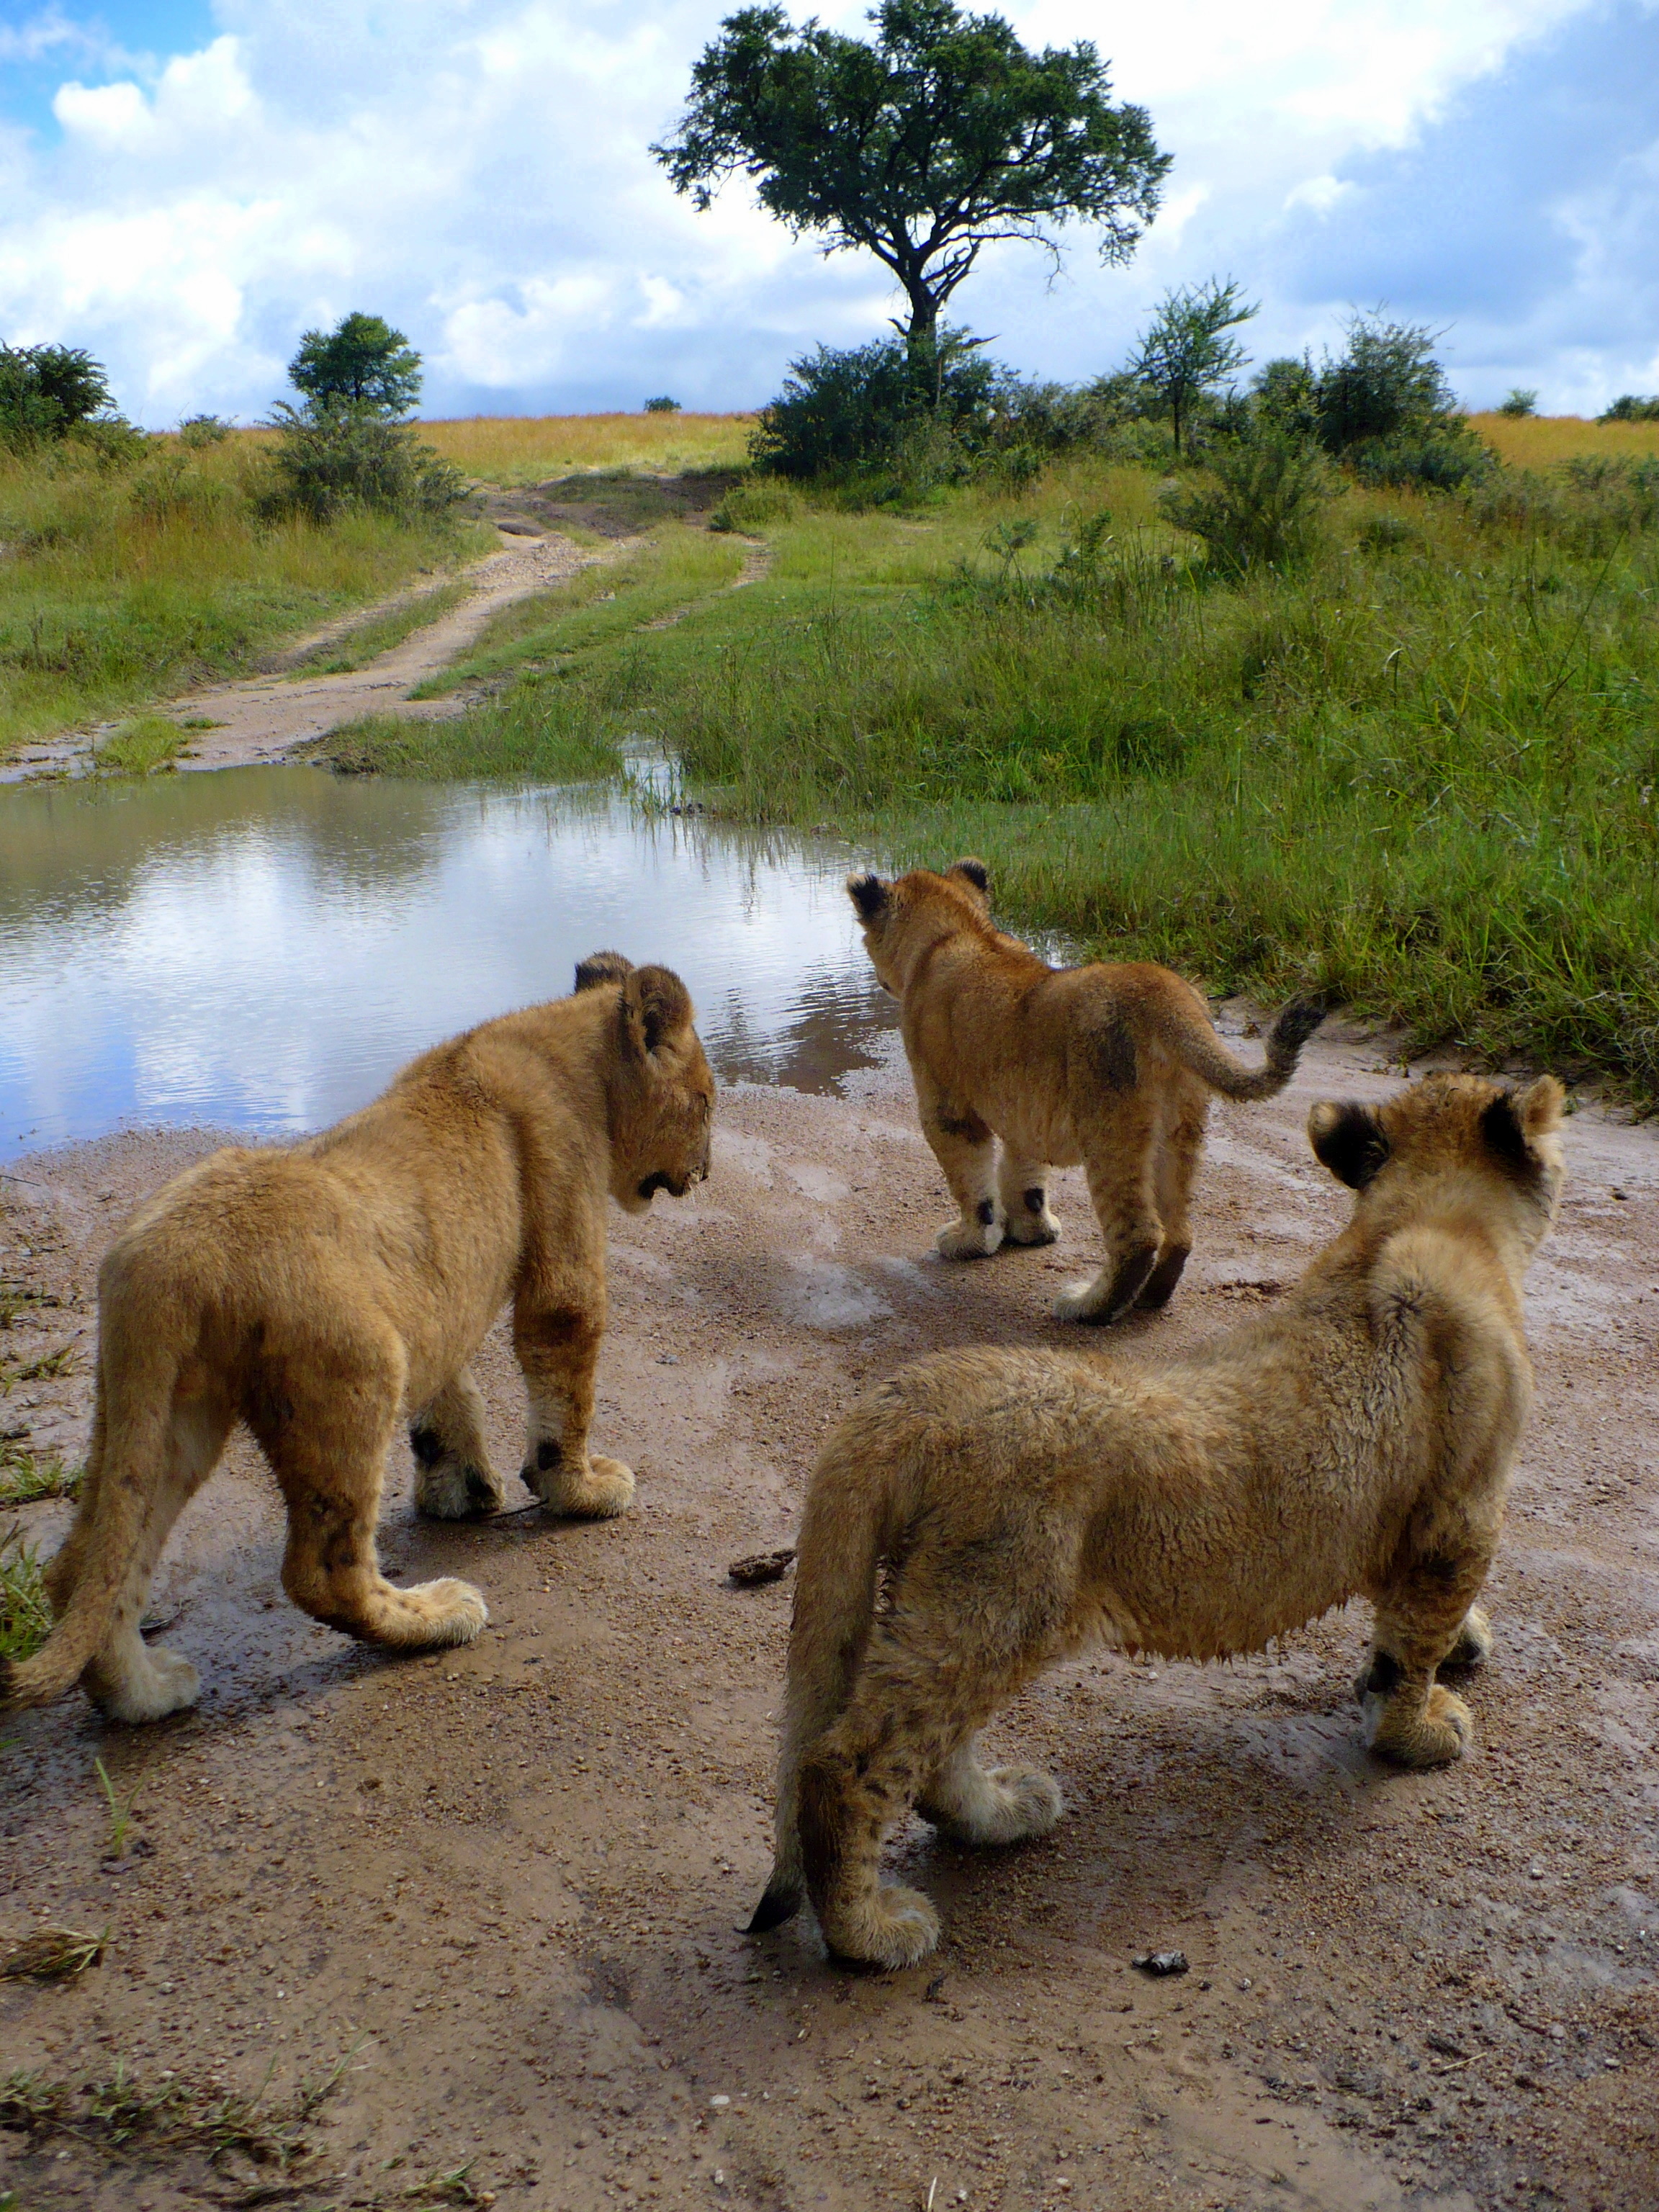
x=512, y=1876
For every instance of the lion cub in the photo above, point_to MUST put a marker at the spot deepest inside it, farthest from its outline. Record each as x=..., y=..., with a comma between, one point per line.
x=330, y=1291
x=1354, y=1442
x=1109, y=1065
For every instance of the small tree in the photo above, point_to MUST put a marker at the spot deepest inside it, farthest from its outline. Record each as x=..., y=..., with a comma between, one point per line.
x=1186, y=352
x=1520, y=402
x=362, y=362
x=47, y=391
x=662, y=405
x=919, y=147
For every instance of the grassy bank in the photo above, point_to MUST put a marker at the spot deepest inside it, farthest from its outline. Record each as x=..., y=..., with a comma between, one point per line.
x=120, y=586
x=1422, y=774
x=515, y=450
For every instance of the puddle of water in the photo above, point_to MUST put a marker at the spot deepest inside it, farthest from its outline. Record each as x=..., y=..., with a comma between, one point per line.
x=259, y=949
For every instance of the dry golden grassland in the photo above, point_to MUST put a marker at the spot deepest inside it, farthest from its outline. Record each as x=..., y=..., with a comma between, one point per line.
x=1534, y=441
x=512, y=450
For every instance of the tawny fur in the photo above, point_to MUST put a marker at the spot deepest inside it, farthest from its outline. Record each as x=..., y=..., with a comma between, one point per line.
x=1110, y=1066
x=1355, y=1441
x=329, y=1293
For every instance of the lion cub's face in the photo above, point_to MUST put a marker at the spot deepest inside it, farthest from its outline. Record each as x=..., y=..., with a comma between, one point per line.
x=899, y=918
x=1452, y=1135
x=663, y=1090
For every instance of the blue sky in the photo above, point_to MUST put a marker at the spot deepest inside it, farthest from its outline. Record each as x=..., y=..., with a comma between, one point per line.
x=184, y=187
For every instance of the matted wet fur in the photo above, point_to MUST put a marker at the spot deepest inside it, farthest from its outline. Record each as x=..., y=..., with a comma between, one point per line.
x=1110, y=1065
x=1354, y=1442
x=330, y=1291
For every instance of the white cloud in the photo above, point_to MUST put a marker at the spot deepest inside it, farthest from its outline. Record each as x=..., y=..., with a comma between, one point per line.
x=478, y=170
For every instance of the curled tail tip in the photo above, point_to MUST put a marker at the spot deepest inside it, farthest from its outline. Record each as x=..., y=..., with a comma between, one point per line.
x=1295, y=1025
x=782, y=1902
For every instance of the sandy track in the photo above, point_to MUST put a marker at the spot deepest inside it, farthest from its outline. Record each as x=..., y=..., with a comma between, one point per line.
x=518, y=1869
x=260, y=718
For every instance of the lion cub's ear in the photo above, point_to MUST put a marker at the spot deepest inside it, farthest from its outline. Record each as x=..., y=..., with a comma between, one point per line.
x=656, y=1007
x=975, y=875
x=1348, y=1139
x=601, y=967
x=1514, y=1120
x=869, y=894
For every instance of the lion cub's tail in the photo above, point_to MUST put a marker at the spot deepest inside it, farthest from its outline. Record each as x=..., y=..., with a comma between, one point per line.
x=129, y=1452
x=1203, y=1052
x=845, y=1532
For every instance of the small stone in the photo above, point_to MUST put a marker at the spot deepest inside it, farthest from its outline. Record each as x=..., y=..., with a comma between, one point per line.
x=1159, y=1963
x=1535, y=1871
x=719, y=2103
x=761, y=1567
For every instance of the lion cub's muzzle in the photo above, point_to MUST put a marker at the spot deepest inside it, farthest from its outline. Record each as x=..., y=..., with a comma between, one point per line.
x=676, y=1186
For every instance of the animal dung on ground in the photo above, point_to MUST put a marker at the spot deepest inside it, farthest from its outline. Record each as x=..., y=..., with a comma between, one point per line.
x=761, y=1567
x=1160, y=1963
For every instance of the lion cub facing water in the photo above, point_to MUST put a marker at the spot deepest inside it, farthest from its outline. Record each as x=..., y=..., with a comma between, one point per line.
x=327, y=1292
x=1110, y=1065
x=1356, y=1441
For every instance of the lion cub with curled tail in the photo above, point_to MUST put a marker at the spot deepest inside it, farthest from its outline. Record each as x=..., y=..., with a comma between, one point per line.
x=1110, y=1065
x=328, y=1292
x=1354, y=1442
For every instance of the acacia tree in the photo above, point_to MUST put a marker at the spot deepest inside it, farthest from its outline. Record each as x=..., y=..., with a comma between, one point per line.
x=362, y=362
x=1186, y=351
x=920, y=146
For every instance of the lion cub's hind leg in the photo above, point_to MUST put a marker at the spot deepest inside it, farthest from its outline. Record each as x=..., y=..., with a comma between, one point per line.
x=453, y=1477
x=329, y=1453
x=1119, y=1162
x=1179, y=1141
x=1023, y=1193
x=988, y=1806
x=1408, y=1716
x=130, y=1679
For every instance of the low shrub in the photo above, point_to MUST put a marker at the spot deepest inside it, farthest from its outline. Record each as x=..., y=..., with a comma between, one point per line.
x=901, y=408
x=1520, y=403
x=1261, y=503
x=753, y=504
x=662, y=405
x=1630, y=407
x=331, y=456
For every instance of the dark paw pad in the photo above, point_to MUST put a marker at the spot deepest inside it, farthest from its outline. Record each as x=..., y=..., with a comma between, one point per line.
x=427, y=1444
x=986, y=1212
x=1036, y=1201
x=480, y=1489
x=549, y=1453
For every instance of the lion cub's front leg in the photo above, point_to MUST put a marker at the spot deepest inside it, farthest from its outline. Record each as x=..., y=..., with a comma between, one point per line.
x=453, y=1477
x=557, y=1350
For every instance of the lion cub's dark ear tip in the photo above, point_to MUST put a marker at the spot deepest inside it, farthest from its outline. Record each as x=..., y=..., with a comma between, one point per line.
x=1347, y=1138
x=601, y=967
x=975, y=871
x=1503, y=1130
x=868, y=894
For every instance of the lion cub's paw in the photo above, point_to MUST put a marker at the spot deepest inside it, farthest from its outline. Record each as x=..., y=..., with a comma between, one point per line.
x=1032, y=1225
x=598, y=1490
x=168, y=1683
x=971, y=1240
x=890, y=1927
x=1433, y=1737
x=1473, y=1645
x=446, y=1612
x=457, y=1490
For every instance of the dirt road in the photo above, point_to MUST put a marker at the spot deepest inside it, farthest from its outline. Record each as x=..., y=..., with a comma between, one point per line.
x=260, y=718
x=509, y=1879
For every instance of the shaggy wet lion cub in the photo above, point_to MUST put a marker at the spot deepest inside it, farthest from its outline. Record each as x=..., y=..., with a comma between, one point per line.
x=1356, y=1441
x=1110, y=1065
x=329, y=1293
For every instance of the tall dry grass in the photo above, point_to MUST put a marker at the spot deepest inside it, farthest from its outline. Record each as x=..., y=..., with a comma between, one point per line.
x=1535, y=441
x=512, y=450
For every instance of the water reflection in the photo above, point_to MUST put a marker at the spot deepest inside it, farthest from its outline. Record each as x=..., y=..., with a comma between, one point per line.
x=259, y=949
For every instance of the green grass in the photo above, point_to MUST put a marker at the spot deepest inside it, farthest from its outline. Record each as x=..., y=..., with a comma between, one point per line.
x=26, y=1477
x=119, y=586
x=25, y=1615
x=367, y=640
x=140, y=746
x=1422, y=775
